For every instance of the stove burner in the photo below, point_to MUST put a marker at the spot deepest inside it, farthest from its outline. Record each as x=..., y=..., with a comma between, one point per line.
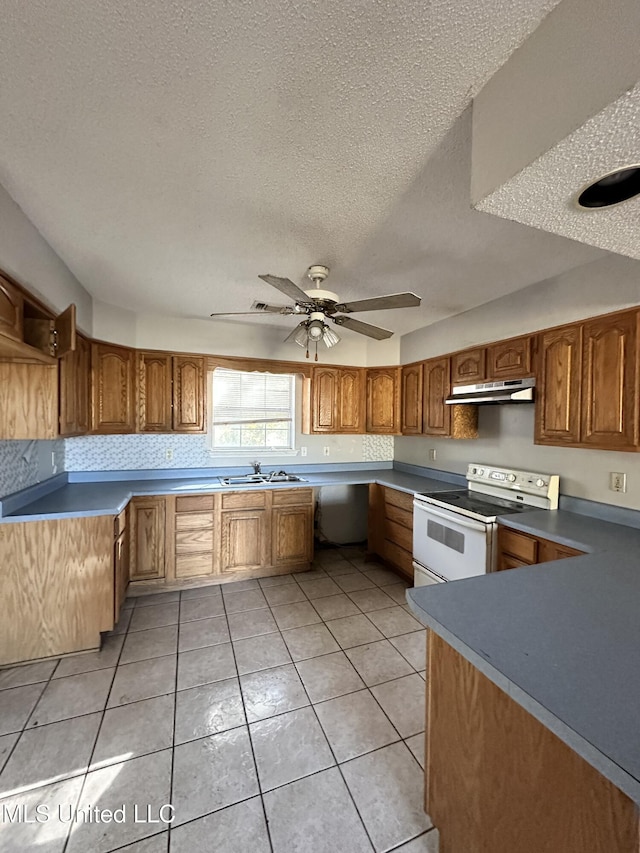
x=485, y=507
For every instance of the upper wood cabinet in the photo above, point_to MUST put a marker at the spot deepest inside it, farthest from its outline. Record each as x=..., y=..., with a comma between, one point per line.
x=154, y=392
x=609, y=385
x=436, y=415
x=112, y=389
x=559, y=381
x=383, y=401
x=11, y=310
x=412, y=399
x=28, y=401
x=468, y=366
x=188, y=394
x=337, y=400
x=510, y=359
x=74, y=379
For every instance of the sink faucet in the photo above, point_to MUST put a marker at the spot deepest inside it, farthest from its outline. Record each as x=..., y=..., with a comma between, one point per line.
x=256, y=467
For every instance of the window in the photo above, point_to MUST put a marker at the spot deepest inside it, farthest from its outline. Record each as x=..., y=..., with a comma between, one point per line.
x=252, y=411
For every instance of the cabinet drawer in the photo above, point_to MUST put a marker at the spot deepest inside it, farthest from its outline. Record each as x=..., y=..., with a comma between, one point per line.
x=192, y=541
x=506, y=561
x=399, y=535
x=401, y=499
x=194, y=565
x=120, y=523
x=290, y=497
x=398, y=557
x=549, y=551
x=193, y=503
x=194, y=520
x=519, y=545
x=244, y=500
x=400, y=516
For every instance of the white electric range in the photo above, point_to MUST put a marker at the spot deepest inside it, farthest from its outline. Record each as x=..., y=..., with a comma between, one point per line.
x=455, y=533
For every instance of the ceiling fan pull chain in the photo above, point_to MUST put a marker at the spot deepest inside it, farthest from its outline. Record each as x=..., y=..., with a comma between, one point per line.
x=316, y=358
x=307, y=352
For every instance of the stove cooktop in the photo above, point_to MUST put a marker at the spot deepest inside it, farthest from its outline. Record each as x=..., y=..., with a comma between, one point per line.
x=482, y=506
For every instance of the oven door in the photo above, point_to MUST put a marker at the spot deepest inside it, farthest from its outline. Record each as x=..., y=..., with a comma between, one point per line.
x=449, y=544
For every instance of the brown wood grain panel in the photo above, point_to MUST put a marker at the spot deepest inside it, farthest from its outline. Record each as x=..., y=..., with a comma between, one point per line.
x=112, y=387
x=11, y=310
x=154, y=392
x=436, y=415
x=548, y=551
x=497, y=780
x=402, y=499
x=383, y=401
x=289, y=497
x=245, y=540
x=239, y=500
x=194, y=520
x=411, y=399
x=194, y=503
x=351, y=400
x=399, y=558
x=292, y=535
x=194, y=565
x=375, y=522
x=558, y=392
x=192, y=541
x=398, y=534
x=511, y=359
x=468, y=366
x=324, y=399
x=400, y=516
x=519, y=545
x=57, y=580
x=188, y=394
x=28, y=401
x=507, y=561
x=147, y=522
x=73, y=380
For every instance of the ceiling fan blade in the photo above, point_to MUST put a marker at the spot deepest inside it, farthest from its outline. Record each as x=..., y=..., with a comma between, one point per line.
x=286, y=286
x=363, y=328
x=259, y=308
x=394, y=300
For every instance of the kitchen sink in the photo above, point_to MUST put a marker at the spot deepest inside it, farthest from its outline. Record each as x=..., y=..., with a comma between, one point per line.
x=261, y=479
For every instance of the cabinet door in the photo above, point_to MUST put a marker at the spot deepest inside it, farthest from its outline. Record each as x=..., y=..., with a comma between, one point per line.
x=548, y=551
x=112, y=369
x=11, y=310
x=509, y=359
x=412, y=399
x=558, y=386
x=324, y=400
x=244, y=540
x=436, y=414
x=188, y=394
x=74, y=370
x=468, y=366
x=350, y=401
x=154, y=392
x=383, y=401
x=121, y=571
x=609, y=395
x=292, y=535
x=147, y=522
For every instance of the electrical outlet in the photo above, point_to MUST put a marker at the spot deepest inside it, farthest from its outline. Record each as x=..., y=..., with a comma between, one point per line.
x=617, y=481
x=326, y=450
x=168, y=454
x=303, y=451
x=432, y=454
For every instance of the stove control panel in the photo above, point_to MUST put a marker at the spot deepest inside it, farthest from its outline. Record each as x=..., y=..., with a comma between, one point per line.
x=495, y=479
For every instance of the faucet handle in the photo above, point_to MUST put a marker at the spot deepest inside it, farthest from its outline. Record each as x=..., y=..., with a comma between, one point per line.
x=256, y=467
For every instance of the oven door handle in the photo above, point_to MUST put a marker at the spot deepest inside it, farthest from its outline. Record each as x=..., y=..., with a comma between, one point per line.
x=452, y=518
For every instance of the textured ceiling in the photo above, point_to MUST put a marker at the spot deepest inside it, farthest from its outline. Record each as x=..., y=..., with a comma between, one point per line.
x=170, y=152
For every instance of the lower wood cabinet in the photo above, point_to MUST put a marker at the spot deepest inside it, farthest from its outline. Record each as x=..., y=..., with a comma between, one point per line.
x=516, y=549
x=147, y=520
x=121, y=561
x=391, y=527
x=291, y=530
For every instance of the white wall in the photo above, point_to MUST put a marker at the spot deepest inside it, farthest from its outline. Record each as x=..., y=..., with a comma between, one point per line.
x=506, y=432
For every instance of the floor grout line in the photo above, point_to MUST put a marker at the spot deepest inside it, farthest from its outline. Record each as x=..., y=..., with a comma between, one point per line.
x=175, y=715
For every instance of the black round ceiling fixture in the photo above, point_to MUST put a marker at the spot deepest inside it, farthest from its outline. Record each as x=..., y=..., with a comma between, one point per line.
x=612, y=188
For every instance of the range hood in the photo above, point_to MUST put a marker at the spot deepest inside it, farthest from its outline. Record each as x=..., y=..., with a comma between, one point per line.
x=507, y=391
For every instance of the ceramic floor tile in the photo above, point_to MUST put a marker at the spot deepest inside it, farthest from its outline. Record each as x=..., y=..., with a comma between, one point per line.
x=289, y=747
x=263, y=652
x=122, y=625
x=329, y=676
x=156, y=844
x=203, y=666
x=353, y=582
x=31, y=673
x=416, y=745
x=309, y=642
x=247, y=599
x=203, y=607
x=140, y=782
x=276, y=580
x=398, y=591
x=155, y=616
x=236, y=829
x=108, y=656
x=354, y=724
x=211, y=773
x=49, y=754
x=197, y=592
x=339, y=568
x=295, y=615
x=207, y=710
x=320, y=588
x=272, y=691
x=413, y=647
x=7, y=742
x=72, y=696
x=353, y=631
x=403, y=701
x=251, y=623
x=335, y=607
x=371, y=599
x=135, y=729
x=143, y=680
x=427, y=843
x=153, y=643
x=381, y=577
x=392, y=809
x=378, y=662
x=157, y=598
x=315, y=815
x=239, y=586
x=203, y=632
x=312, y=574
x=394, y=621
x=51, y=836
x=288, y=594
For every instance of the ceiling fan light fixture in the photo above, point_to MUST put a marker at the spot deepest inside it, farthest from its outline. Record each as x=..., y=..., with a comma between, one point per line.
x=301, y=336
x=329, y=337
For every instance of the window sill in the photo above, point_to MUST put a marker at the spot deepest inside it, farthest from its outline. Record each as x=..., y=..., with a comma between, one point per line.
x=252, y=453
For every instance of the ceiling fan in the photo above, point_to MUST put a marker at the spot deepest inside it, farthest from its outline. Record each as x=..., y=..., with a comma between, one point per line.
x=318, y=306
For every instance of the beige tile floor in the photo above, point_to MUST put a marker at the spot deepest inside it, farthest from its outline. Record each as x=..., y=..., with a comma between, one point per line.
x=283, y=715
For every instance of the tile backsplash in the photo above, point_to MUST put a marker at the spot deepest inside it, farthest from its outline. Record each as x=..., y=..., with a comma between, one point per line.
x=25, y=463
